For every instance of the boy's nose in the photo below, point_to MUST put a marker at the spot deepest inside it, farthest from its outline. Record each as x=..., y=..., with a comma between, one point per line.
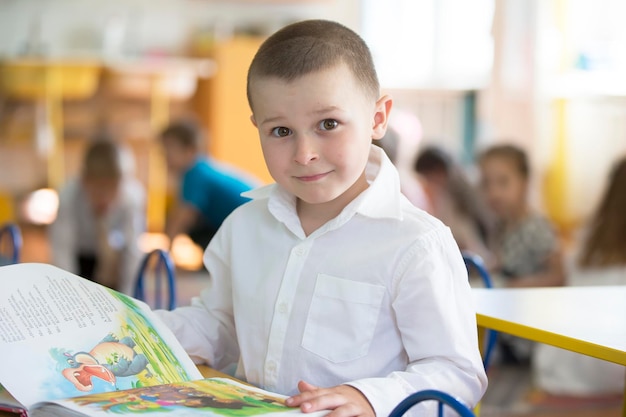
x=305, y=151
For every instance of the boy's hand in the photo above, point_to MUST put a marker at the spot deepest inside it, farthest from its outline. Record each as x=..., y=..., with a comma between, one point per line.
x=344, y=400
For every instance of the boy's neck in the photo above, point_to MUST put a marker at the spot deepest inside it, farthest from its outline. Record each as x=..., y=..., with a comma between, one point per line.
x=314, y=216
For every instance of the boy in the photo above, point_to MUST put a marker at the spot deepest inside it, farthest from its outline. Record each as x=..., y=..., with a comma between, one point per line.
x=208, y=192
x=101, y=215
x=330, y=277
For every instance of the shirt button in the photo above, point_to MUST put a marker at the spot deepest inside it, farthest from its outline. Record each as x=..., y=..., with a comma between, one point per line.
x=271, y=366
x=282, y=308
x=300, y=251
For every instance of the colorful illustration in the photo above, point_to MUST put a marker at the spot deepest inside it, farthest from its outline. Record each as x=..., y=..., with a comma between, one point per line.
x=218, y=396
x=107, y=360
x=64, y=336
x=134, y=356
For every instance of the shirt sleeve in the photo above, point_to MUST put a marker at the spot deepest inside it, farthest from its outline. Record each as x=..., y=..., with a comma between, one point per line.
x=206, y=328
x=63, y=234
x=194, y=190
x=436, y=318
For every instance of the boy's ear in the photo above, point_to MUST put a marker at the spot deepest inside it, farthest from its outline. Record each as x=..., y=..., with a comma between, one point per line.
x=252, y=120
x=381, y=116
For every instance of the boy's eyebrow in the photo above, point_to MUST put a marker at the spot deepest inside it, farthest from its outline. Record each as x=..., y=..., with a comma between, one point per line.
x=320, y=111
x=326, y=110
x=271, y=120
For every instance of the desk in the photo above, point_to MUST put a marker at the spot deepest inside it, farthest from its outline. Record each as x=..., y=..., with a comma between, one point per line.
x=212, y=373
x=586, y=320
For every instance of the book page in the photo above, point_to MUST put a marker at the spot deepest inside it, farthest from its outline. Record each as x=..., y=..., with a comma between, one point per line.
x=9, y=403
x=62, y=336
x=213, y=397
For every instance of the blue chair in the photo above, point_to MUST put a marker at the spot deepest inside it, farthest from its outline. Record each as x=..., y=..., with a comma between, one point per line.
x=156, y=263
x=476, y=263
x=432, y=395
x=11, y=235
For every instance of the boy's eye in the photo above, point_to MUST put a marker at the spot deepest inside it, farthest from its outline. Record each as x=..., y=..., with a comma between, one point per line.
x=328, y=124
x=281, y=131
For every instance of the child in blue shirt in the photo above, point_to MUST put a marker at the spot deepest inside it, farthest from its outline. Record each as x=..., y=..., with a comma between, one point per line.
x=209, y=191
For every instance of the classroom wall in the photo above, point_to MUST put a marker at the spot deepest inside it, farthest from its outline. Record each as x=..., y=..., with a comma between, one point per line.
x=148, y=26
x=516, y=105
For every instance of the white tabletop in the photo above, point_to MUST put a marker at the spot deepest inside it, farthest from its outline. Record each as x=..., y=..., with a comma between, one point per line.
x=587, y=320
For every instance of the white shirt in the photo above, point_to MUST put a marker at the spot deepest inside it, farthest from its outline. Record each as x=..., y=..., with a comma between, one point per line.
x=377, y=297
x=74, y=230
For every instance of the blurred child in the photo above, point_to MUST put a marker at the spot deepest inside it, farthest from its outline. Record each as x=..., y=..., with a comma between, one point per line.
x=524, y=242
x=411, y=187
x=101, y=215
x=600, y=260
x=525, y=245
x=454, y=200
x=208, y=191
x=330, y=277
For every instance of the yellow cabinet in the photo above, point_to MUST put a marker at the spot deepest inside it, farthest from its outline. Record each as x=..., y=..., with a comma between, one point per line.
x=222, y=105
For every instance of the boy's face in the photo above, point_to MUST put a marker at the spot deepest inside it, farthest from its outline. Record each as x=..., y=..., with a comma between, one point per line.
x=101, y=193
x=503, y=186
x=316, y=133
x=177, y=157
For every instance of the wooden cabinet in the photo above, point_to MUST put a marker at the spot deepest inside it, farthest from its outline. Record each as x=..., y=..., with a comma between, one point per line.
x=222, y=106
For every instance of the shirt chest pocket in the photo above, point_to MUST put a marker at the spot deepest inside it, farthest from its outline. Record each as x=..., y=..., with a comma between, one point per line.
x=342, y=318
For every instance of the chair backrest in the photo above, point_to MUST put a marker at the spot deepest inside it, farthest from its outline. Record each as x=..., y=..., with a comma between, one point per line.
x=11, y=241
x=442, y=398
x=156, y=264
x=475, y=262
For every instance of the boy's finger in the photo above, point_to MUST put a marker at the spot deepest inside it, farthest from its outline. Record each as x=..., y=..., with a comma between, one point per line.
x=307, y=391
x=322, y=400
x=348, y=410
x=304, y=386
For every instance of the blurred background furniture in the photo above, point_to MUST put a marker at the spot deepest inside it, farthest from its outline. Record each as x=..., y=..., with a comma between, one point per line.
x=156, y=280
x=442, y=398
x=475, y=263
x=10, y=244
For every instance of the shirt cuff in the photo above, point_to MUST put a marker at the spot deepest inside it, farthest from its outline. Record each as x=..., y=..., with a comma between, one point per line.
x=382, y=393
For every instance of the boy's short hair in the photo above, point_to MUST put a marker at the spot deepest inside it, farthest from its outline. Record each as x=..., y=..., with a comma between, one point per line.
x=186, y=133
x=310, y=46
x=103, y=160
x=516, y=155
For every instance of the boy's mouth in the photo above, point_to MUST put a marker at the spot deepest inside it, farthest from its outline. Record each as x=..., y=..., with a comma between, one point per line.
x=311, y=178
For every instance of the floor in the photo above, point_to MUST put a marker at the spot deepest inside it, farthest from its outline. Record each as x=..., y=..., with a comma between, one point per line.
x=510, y=392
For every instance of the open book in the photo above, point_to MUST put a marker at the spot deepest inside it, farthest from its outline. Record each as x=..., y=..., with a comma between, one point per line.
x=213, y=397
x=65, y=338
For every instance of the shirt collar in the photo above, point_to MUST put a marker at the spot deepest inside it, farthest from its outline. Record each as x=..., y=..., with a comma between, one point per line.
x=382, y=199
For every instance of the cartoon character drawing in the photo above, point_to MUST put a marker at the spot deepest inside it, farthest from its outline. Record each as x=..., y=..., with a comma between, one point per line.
x=219, y=397
x=109, y=359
